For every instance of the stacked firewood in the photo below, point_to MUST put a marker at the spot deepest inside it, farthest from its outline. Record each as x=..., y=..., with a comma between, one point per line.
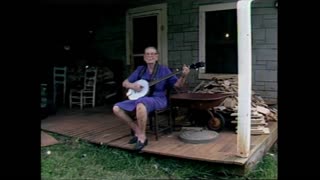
x=261, y=113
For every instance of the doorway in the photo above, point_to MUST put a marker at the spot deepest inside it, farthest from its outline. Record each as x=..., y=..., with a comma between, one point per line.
x=146, y=26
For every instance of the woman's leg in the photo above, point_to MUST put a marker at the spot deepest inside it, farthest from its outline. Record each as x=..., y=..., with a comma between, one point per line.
x=126, y=118
x=142, y=117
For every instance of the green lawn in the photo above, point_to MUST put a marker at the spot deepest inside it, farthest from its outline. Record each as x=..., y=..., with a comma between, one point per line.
x=76, y=159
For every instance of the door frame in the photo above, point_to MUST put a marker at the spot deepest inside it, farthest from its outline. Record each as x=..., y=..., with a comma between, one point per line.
x=160, y=10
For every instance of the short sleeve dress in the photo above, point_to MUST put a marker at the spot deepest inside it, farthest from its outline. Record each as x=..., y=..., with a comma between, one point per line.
x=157, y=100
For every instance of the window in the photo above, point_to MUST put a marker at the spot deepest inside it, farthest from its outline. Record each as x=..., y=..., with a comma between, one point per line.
x=218, y=39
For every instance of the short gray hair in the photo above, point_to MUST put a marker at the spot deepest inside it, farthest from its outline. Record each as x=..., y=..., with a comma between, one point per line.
x=151, y=47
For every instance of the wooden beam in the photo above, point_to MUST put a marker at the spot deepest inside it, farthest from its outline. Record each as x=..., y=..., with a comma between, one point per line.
x=245, y=76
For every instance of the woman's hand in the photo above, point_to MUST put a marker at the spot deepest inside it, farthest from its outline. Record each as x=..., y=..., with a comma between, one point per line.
x=185, y=70
x=135, y=86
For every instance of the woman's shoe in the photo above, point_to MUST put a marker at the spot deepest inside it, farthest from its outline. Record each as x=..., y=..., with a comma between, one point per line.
x=133, y=140
x=139, y=146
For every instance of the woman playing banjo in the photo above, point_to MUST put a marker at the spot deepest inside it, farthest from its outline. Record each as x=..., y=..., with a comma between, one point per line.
x=155, y=99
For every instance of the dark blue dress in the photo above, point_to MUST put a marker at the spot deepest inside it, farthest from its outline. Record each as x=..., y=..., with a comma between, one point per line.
x=157, y=100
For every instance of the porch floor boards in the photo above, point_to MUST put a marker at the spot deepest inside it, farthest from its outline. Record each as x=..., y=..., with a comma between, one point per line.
x=47, y=140
x=100, y=126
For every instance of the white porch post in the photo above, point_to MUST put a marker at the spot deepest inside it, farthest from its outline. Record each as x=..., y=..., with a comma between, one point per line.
x=244, y=77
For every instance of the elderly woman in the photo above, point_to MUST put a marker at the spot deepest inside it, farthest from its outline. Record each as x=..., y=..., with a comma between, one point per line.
x=155, y=100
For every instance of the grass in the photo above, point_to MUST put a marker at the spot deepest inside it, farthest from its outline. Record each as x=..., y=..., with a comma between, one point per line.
x=77, y=159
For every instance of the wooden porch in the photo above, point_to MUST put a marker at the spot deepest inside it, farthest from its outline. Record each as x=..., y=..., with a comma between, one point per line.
x=100, y=126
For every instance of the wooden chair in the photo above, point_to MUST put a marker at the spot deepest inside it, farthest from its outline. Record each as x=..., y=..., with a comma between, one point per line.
x=59, y=78
x=158, y=121
x=87, y=95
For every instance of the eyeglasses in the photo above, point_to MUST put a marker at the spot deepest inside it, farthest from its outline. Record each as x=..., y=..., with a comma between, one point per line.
x=151, y=54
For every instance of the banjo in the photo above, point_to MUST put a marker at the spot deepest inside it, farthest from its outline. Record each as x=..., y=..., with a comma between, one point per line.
x=133, y=95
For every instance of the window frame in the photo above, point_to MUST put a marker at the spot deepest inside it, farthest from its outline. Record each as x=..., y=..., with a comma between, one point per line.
x=159, y=10
x=202, y=26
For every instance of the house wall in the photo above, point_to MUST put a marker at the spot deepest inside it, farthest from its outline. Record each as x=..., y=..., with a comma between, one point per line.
x=183, y=37
x=111, y=38
x=183, y=26
x=265, y=49
x=110, y=41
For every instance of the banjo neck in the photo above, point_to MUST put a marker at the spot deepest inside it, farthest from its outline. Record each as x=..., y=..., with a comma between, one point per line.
x=163, y=78
x=193, y=66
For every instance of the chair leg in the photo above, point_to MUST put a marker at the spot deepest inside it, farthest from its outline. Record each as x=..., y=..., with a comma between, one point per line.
x=151, y=126
x=70, y=101
x=169, y=121
x=81, y=101
x=64, y=92
x=54, y=94
x=173, y=113
x=156, y=126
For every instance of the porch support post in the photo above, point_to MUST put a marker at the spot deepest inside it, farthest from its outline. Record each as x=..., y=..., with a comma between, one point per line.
x=244, y=77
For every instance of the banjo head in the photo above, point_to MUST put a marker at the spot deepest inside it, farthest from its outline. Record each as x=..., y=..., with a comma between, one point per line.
x=134, y=95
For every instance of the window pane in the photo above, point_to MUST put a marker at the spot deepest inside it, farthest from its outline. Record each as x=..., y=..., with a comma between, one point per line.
x=144, y=33
x=221, y=42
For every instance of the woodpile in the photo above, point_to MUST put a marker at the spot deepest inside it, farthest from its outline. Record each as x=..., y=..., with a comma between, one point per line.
x=261, y=113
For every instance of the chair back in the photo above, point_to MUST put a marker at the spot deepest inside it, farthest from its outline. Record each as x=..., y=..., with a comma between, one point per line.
x=89, y=90
x=59, y=78
x=90, y=79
